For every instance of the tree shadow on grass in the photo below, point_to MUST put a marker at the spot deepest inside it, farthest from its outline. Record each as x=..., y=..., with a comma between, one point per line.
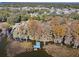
x=39, y=53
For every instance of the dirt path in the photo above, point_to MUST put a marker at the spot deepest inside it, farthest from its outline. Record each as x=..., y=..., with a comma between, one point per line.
x=61, y=51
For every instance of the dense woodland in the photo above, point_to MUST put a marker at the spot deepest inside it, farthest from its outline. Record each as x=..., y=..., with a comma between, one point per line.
x=31, y=4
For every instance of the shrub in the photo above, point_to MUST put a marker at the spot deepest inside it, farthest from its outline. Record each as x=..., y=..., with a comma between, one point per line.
x=75, y=16
x=14, y=19
x=24, y=17
x=3, y=18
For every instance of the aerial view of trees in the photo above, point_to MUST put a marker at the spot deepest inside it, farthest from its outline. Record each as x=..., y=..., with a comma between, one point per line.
x=22, y=26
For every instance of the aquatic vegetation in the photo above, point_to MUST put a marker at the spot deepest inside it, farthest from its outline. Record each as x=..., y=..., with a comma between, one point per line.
x=26, y=44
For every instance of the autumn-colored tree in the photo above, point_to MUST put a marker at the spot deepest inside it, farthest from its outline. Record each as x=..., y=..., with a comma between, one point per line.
x=20, y=31
x=34, y=28
x=75, y=32
x=75, y=28
x=59, y=30
x=56, y=26
x=39, y=31
x=46, y=33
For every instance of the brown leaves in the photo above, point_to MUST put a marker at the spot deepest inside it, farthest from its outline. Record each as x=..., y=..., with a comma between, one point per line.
x=42, y=30
x=57, y=28
x=35, y=28
x=75, y=29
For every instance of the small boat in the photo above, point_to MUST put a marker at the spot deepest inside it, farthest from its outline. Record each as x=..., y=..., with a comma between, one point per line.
x=37, y=46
